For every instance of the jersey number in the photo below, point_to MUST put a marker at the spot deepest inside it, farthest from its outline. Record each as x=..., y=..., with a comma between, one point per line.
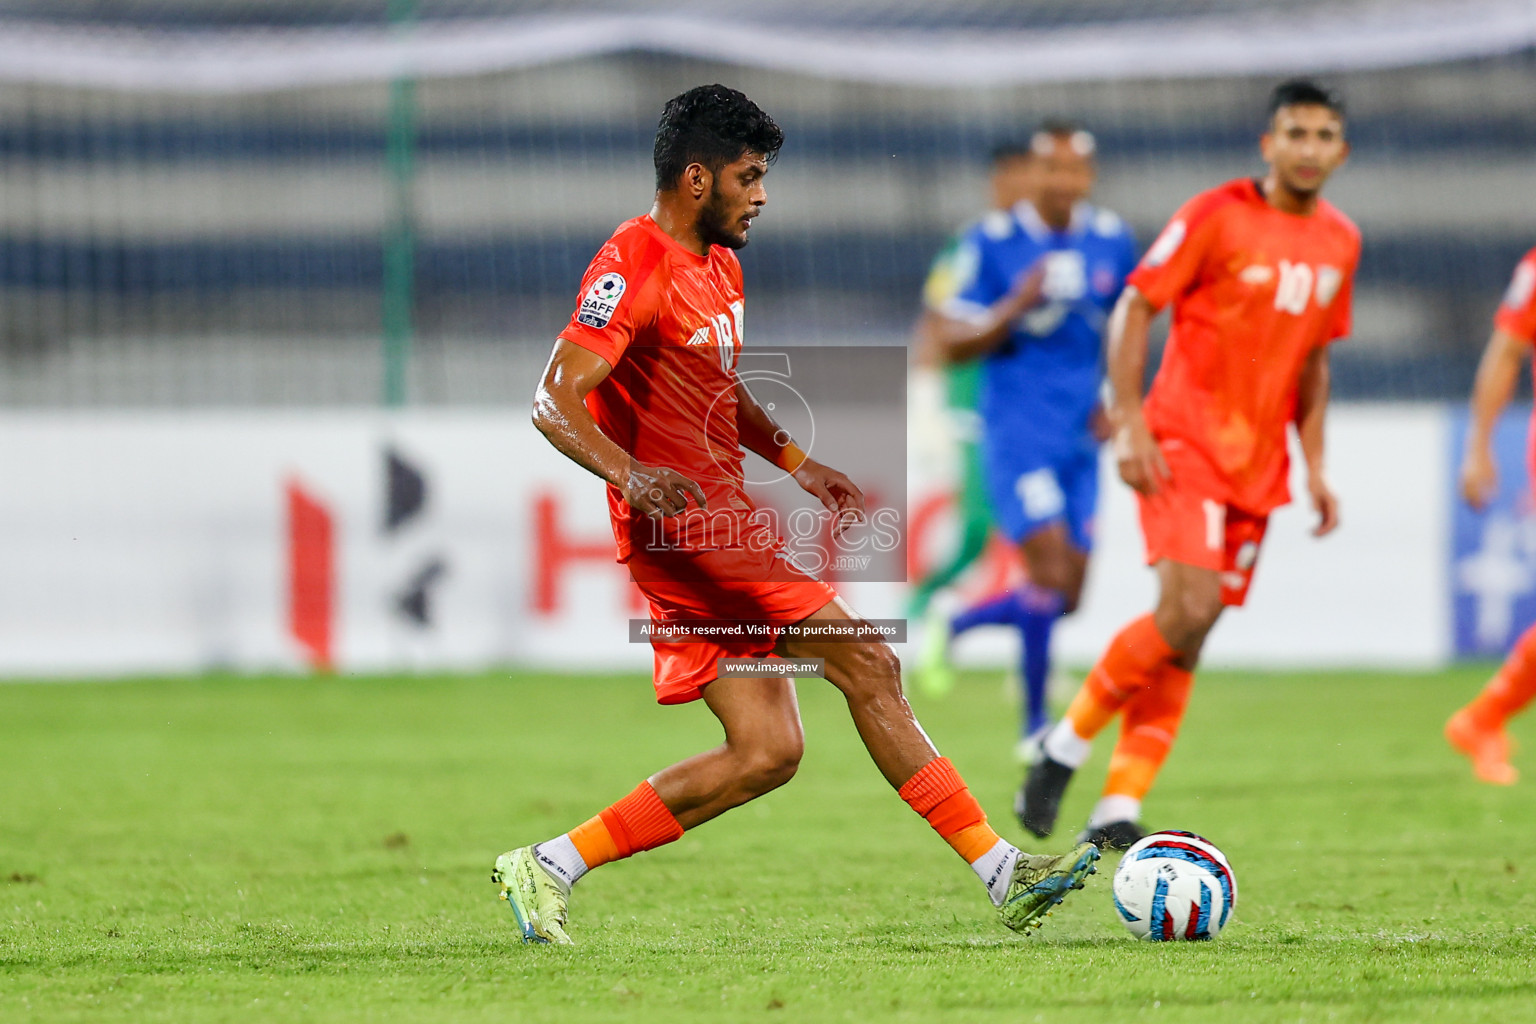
x=1295, y=287
x=1215, y=524
x=728, y=331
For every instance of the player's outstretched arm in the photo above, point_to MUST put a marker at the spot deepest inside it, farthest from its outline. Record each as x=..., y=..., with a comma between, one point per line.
x=1140, y=460
x=960, y=340
x=928, y=347
x=760, y=433
x=1497, y=374
x=560, y=412
x=1311, y=406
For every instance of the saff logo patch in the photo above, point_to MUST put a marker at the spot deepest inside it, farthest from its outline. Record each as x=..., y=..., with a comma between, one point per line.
x=599, y=301
x=1328, y=281
x=1521, y=286
x=1167, y=244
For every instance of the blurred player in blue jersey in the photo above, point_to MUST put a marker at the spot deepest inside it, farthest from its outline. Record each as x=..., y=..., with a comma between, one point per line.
x=1043, y=279
x=1012, y=172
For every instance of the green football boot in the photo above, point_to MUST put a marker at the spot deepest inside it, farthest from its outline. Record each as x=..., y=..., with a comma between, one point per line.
x=536, y=897
x=1040, y=882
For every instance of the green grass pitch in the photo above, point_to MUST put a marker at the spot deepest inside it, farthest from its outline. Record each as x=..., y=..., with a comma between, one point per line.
x=319, y=849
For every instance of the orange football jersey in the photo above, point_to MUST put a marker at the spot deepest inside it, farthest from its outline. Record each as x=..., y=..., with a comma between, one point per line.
x=1517, y=313
x=1254, y=290
x=669, y=322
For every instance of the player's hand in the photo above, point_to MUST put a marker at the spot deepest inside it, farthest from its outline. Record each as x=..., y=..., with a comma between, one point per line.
x=1479, y=478
x=1027, y=291
x=1141, y=461
x=657, y=491
x=837, y=493
x=1325, y=503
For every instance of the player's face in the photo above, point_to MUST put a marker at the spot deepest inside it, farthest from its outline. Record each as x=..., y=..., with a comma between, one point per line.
x=1304, y=145
x=1063, y=178
x=735, y=197
x=1013, y=181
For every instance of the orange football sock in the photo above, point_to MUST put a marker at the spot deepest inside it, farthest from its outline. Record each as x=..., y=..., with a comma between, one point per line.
x=638, y=822
x=1511, y=688
x=1135, y=658
x=1147, y=730
x=940, y=795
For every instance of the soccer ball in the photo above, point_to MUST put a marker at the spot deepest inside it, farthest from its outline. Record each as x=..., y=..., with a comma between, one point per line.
x=1174, y=886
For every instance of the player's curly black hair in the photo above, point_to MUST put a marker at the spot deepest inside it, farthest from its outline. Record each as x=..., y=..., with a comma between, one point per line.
x=711, y=125
x=1303, y=92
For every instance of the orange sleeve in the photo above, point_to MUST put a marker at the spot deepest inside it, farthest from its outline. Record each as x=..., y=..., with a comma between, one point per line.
x=1173, y=262
x=615, y=300
x=1517, y=312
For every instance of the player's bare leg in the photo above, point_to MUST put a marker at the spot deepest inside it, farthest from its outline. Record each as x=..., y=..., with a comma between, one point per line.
x=1188, y=605
x=1145, y=674
x=1055, y=563
x=762, y=749
x=868, y=674
x=1024, y=888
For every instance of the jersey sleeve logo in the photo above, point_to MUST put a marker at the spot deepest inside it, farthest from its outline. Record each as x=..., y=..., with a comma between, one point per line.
x=1167, y=244
x=952, y=273
x=1521, y=287
x=1328, y=281
x=600, y=301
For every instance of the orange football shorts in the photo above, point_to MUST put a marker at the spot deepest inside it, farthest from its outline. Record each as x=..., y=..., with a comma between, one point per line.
x=1188, y=522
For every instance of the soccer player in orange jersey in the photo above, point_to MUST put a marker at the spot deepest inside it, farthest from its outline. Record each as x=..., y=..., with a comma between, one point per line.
x=1259, y=274
x=1477, y=730
x=641, y=390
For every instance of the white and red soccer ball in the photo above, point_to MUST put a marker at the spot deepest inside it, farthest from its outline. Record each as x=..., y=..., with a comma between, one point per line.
x=1174, y=886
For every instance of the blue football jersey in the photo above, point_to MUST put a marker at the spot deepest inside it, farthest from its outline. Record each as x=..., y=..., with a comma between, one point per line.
x=1039, y=388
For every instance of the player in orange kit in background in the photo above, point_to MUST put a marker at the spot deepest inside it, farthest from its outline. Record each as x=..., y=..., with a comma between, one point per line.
x=1477, y=730
x=1259, y=273
x=641, y=390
